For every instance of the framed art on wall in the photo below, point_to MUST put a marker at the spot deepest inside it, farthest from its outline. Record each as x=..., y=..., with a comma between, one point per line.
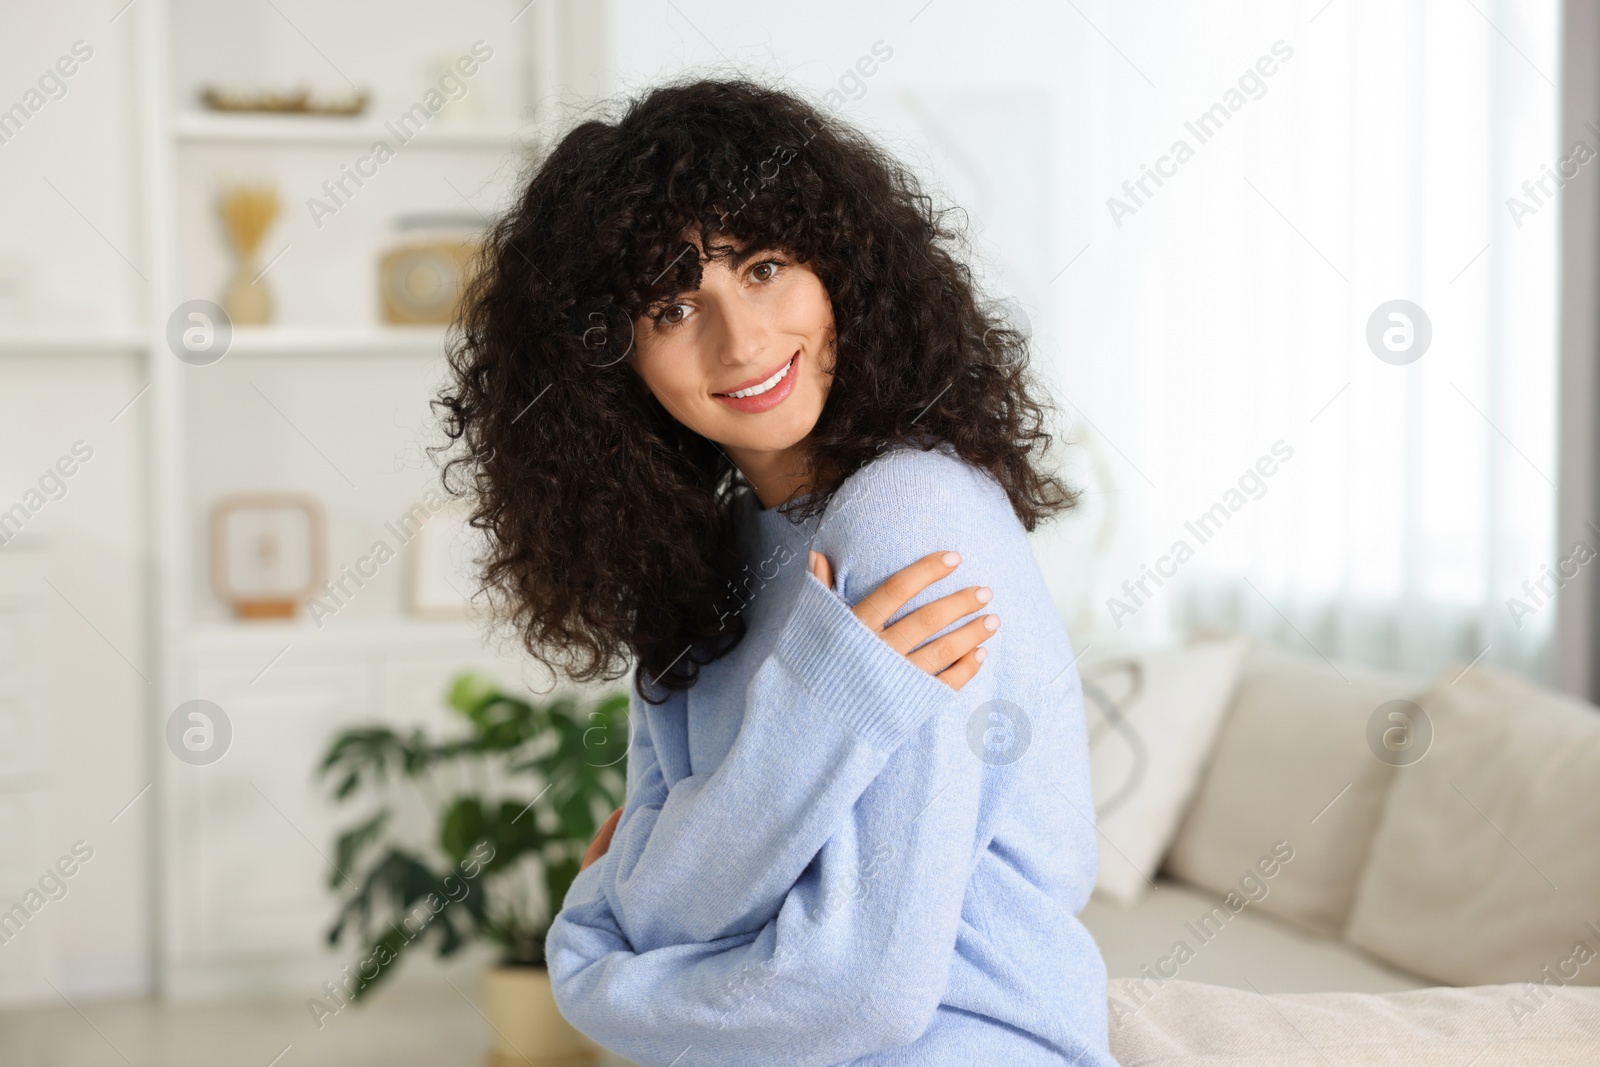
x=442, y=567
x=268, y=552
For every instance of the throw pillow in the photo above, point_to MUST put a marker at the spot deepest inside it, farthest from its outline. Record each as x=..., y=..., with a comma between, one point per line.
x=1293, y=764
x=1484, y=867
x=1153, y=715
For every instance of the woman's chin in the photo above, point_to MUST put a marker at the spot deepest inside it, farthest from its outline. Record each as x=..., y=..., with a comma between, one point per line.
x=777, y=430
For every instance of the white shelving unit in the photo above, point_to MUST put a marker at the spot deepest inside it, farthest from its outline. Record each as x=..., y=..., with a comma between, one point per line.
x=241, y=877
x=289, y=341
x=204, y=128
x=229, y=639
x=66, y=343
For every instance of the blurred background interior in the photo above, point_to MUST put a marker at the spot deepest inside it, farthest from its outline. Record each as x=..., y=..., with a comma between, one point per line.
x=1341, y=346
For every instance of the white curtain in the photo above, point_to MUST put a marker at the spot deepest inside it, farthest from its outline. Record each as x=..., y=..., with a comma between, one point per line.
x=1361, y=152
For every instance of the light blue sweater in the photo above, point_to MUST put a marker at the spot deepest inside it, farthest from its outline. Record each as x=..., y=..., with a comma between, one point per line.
x=828, y=856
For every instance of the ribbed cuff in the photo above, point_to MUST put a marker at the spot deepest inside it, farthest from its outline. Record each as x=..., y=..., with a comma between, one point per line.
x=853, y=672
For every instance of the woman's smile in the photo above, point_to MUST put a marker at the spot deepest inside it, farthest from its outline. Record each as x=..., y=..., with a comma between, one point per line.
x=764, y=393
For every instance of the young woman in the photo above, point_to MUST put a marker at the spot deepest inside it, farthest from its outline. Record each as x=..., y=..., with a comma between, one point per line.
x=729, y=407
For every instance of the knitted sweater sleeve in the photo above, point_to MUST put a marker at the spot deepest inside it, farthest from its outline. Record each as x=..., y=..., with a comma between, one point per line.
x=716, y=922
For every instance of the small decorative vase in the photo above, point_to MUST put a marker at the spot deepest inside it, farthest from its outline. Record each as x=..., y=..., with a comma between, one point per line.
x=247, y=212
x=247, y=303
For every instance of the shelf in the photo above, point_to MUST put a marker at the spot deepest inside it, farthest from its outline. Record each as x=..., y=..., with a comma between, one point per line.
x=198, y=127
x=336, y=634
x=272, y=341
x=69, y=342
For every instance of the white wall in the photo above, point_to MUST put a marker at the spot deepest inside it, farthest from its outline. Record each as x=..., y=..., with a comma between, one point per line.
x=71, y=259
x=67, y=178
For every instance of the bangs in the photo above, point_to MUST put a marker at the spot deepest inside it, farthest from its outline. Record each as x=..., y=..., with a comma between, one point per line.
x=712, y=187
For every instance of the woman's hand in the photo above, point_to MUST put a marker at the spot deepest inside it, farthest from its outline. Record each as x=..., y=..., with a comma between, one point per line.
x=602, y=840
x=953, y=658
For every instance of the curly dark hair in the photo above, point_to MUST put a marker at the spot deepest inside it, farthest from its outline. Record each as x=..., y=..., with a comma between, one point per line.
x=610, y=525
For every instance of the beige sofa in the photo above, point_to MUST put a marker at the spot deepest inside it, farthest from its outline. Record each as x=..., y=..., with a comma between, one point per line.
x=1442, y=833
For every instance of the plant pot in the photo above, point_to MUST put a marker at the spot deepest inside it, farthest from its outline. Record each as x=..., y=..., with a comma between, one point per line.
x=528, y=1029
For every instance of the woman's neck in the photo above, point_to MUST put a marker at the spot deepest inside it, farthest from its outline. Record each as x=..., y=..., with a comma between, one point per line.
x=776, y=477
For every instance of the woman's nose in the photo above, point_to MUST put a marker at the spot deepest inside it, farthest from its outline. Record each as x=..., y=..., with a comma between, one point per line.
x=744, y=335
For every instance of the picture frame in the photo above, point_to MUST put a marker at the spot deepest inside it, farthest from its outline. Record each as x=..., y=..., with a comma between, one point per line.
x=269, y=552
x=441, y=572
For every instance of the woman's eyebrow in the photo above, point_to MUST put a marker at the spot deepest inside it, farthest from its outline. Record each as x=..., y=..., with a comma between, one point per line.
x=750, y=251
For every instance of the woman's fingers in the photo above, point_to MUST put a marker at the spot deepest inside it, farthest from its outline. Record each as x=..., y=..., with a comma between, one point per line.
x=961, y=671
x=943, y=652
x=898, y=589
x=821, y=568
x=602, y=840
x=929, y=619
x=953, y=658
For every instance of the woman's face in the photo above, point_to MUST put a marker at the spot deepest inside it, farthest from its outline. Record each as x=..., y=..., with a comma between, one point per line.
x=745, y=360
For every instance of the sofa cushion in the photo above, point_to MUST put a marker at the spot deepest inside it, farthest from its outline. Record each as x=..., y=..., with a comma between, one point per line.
x=1175, y=931
x=1196, y=1025
x=1293, y=764
x=1485, y=866
x=1152, y=715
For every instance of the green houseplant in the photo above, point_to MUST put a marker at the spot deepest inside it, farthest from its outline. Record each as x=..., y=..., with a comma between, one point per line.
x=511, y=803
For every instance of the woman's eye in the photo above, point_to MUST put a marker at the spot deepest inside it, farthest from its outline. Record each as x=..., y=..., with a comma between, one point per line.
x=673, y=314
x=764, y=271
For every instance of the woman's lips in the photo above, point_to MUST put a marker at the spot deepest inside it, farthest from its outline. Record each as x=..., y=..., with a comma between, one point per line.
x=769, y=399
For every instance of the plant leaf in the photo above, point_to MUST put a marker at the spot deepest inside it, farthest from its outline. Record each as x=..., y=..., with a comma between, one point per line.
x=463, y=825
x=353, y=842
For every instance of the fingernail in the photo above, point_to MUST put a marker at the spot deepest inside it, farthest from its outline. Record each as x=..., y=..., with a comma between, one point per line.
x=951, y=558
x=985, y=594
x=981, y=655
x=991, y=623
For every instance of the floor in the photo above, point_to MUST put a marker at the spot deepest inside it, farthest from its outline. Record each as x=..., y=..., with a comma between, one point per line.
x=400, y=1028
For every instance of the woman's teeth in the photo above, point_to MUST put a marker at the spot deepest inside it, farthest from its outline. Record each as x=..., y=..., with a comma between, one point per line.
x=757, y=390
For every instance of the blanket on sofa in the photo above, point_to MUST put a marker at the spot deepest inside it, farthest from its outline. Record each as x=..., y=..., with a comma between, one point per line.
x=1191, y=1024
